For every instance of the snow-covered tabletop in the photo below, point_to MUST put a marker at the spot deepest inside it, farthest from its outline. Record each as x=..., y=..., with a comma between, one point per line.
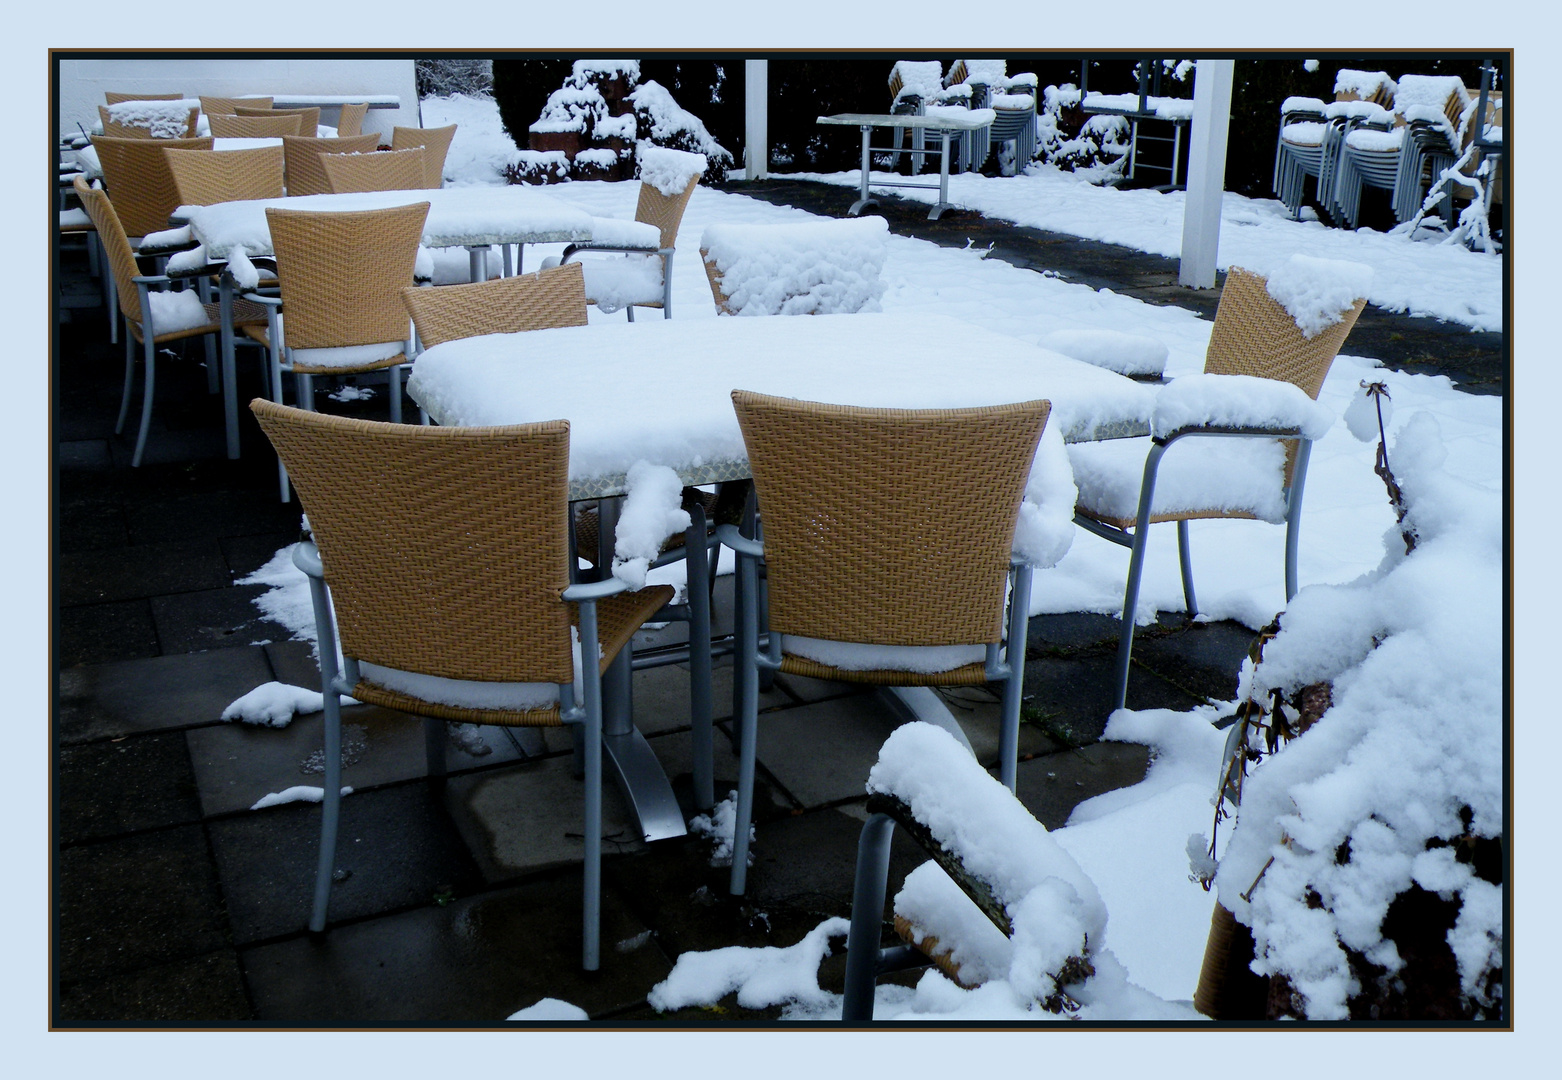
x=944, y=119
x=1164, y=108
x=661, y=391
x=462, y=216
x=87, y=156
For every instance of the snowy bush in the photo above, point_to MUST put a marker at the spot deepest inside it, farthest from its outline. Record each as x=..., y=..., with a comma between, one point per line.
x=1093, y=146
x=1366, y=856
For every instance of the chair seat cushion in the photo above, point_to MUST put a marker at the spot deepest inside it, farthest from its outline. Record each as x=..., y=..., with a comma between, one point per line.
x=1212, y=476
x=618, y=282
x=853, y=656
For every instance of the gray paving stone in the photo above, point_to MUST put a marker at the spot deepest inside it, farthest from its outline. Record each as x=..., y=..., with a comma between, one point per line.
x=123, y=785
x=397, y=846
x=1203, y=658
x=205, y=989
x=95, y=577
x=1051, y=786
x=135, y=901
x=100, y=633
x=213, y=619
x=821, y=753
x=236, y=763
x=473, y=962
x=157, y=693
x=1071, y=698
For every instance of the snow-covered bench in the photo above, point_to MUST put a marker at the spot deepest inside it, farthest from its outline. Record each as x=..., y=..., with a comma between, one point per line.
x=999, y=900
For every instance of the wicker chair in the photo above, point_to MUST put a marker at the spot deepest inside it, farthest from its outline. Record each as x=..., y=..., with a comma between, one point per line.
x=512, y=305
x=341, y=276
x=115, y=130
x=225, y=106
x=135, y=301
x=434, y=140
x=113, y=97
x=860, y=548
x=389, y=170
x=137, y=176
x=253, y=127
x=830, y=266
x=614, y=283
x=301, y=154
x=350, y=122
x=1253, y=335
x=309, y=118
x=445, y=551
x=205, y=177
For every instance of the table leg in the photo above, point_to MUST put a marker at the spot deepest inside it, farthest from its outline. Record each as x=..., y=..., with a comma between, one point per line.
x=477, y=263
x=943, y=179
x=1176, y=154
x=230, y=392
x=863, y=199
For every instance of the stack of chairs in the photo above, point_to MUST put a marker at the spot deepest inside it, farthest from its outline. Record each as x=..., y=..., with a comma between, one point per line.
x=1299, y=151
x=913, y=84
x=1395, y=159
x=1436, y=112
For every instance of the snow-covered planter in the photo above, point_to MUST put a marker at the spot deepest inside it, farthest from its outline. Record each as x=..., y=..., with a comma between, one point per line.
x=1366, y=857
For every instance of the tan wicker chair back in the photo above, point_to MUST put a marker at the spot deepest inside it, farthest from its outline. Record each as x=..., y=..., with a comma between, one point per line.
x=206, y=177
x=305, y=174
x=387, y=170
x=712, y=275
x=111, y=233
x=435, y=140
x=136, y=173
x=512, y=305
x=350, y=122
x=446, y=548
x=113, y=130
x=308, y=124
x=664, y=211
x=888, y=526
x=342, y=273
x=111, y=97
x=225, y=106
x=253, y=127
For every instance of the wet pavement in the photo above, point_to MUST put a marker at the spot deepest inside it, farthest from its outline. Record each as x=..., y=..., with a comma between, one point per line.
x=177, y=904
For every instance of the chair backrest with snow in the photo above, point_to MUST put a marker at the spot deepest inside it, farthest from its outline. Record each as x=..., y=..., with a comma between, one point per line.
x=821, y=267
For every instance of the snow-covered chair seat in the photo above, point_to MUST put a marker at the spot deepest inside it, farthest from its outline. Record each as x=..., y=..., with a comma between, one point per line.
x=822, y=267
x=885, y=563
x=1272, y=344
x=442, y=598
x=642, y=276
x=999, y=900
x=1015, y=122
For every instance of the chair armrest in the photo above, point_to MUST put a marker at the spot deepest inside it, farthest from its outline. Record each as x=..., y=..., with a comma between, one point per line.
x=166, y=242
x=593, y=590
x=151, y=279
x=306, y=556
x=1237, y=404
x=732, y=538
x=258, y=297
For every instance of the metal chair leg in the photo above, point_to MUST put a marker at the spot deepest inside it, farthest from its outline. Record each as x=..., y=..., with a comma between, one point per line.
x=130, y=378
x=862, y=941
x=748, y=718
x=1125, y=641
x=591, y=905
x=1013, y=687
x=395, y=394
x=148, y=390
x=1185, y=558
x=696, y=558
x=331, y=802
x=1293, y=514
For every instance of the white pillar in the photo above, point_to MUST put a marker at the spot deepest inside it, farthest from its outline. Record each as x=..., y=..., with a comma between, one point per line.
x=1206, y=172
x=756, y=102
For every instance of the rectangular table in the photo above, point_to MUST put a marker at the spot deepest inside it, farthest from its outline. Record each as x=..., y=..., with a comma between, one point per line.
x=470, y=217
x=944, y=124
x=661, y=392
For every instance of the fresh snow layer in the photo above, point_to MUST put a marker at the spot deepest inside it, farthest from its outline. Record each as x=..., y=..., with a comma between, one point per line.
x=273, y=704
x=1238, y=401
x=761, y=977
x=669, y=170
x=174, y=311
x=346, y=356
x=302, y=793
x=1126, y=354
x=853, y=656
x=820, y=268
x=550, y=1009
x=1197, y=473
x=1318, y=292
x=652, y=512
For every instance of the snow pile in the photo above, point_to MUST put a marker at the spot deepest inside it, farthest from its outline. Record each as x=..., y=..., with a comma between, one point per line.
x=1196, y=474
x=1238, y=401
x=989, y=72
x=302, y=793
x=572, y=107
x=1429, y=92
x=1301, y=104
x=1045, y=529
x=1401, y=778
x=1166, y=108
x=668, y=170
x=720, y=826
x=245, y=276
x=936, y=907
x=674, y=126
x=1364, y=84
x=171, y=312
x=1126, y=354
x=1361, y=415
x=761, y=977
x=550, y=1010
x=273, y=704
x=1304, y=133
x=1318, y=292
x=176, y=237
x=614, y=284
x=183, y=262
x=164, y=119
x=1377, y=142
x=651, y=513
x=817, y=268
x=1370, y=111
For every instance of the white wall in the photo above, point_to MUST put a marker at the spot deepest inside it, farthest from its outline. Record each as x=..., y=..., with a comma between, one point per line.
x=82, y=83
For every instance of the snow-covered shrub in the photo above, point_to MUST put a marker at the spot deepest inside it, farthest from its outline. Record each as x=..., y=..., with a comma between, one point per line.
x=1093, y=146
x=1366, y=857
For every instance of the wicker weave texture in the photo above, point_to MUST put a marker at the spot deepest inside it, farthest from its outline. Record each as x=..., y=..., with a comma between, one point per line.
x=137, y=176
x=225, y=106
x=435, y=140
x=392, y=170
x=301, y=154
x=446, y=548
x=131, y=131
x=114, y=97
x=308, y=124
x=1254, y=335
x=342, y=273
x=664, y=211
x=713, y=276
x=540, y=301
x=888, y=526
x=350, y=122
x=253, y=127
x=207, y=177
